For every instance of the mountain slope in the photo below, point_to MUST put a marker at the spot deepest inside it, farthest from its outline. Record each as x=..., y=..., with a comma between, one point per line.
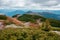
x=50, y=15
x=45, y=14
x=11, y=12
x=32, y=18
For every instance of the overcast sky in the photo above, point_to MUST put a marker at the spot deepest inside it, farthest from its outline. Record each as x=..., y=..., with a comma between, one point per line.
x=30, y=4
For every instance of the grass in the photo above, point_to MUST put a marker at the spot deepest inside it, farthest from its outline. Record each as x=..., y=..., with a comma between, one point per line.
x=27, y=34
x=55, y=28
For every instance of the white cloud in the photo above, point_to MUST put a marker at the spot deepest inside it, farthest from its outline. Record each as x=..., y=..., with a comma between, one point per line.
x=20, y=3
x=51, y=3
x=30, y=4
x=13, y=3
x=57, y=6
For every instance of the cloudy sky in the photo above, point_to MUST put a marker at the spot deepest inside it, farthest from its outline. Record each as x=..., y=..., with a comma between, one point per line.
x=30, y=4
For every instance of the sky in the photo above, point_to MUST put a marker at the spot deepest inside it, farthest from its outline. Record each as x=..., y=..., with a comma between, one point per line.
x=30, y=4
x=12, y=5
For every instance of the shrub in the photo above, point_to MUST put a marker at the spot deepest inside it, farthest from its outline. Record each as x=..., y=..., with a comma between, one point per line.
x=27, y=34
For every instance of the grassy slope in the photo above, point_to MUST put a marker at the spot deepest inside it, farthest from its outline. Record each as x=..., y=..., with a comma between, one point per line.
x=27, y=34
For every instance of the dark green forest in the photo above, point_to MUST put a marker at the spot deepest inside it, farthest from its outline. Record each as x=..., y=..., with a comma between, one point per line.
x=3, y=17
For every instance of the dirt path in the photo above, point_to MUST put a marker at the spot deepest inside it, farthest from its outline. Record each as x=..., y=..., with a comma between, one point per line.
x=57, y=32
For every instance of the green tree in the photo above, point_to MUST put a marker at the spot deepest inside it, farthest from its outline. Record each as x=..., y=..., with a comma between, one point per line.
x=46, y=25
x=3, y=17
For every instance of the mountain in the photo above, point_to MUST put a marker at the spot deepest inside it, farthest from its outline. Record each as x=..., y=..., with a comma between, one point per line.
x=50, y=15
x=45, y=14
x=16, y=12
x=11, y=12
x=31, y=17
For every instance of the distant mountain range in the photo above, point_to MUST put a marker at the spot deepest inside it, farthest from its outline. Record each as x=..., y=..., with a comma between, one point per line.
x=11, y=12
x=45, y=14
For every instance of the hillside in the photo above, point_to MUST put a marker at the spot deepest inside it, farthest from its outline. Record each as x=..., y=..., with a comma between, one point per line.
x=27, y=34
x=33, y=17
x=45, y=14
x=48, y=30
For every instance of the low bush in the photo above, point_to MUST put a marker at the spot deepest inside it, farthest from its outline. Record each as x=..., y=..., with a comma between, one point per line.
x=27, y=34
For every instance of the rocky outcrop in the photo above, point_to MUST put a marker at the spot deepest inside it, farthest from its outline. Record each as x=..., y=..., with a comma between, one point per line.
x=2, y=24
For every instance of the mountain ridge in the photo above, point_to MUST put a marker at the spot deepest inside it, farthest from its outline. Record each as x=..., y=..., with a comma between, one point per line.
x=45, y=14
